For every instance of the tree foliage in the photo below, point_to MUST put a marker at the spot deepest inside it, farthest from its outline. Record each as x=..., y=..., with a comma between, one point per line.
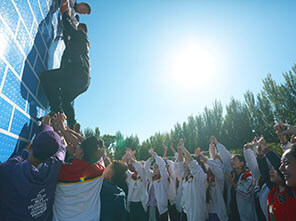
x=233, y=125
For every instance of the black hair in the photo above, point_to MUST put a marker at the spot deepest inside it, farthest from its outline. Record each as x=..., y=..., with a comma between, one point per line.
x=241, y=158
x=84, y=26
x=88, y=6
x=90, y=147
x=119, y=176
x=40, y=156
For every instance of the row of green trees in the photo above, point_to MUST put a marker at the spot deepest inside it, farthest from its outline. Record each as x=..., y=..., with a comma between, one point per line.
x=235, y=125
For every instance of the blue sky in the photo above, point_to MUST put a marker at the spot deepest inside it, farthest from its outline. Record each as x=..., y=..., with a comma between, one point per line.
x=154, y=63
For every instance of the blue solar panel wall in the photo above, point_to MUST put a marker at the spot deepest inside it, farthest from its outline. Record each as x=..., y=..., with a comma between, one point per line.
x=30, y=43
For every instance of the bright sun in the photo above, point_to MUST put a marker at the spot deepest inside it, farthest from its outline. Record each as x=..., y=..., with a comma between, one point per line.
x=193, y=66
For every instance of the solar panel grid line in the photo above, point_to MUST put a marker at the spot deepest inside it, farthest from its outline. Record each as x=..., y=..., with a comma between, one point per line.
x=20, y=17
x=17, y=27
x=41, y=9
x=11, y=118
x=35, y=19
x=8, y=64
x=13, y=135
x=13, y=104
x=13, y=71
x=27, y=103
x=12, y=34
x=8, y=133
x=29, y=33
x=15, y=41
x=4, y=76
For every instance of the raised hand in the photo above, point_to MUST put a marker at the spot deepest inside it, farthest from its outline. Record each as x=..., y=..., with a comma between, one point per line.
x=172, y=148
x=151, y=151
x=203, y=158
x=58, y=120
x=46, y=120
x=180, y=144
x=197, y=151
x=213, y=151
x=287, y=129
x=165, y=147
x=213, y=140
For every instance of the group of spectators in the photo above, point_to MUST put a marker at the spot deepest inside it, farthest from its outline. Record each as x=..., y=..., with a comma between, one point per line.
x=62, y=176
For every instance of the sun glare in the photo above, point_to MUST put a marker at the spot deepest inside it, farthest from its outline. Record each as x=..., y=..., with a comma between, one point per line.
x=193, y=66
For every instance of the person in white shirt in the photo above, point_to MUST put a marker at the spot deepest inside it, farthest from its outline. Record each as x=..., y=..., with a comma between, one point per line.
x=215, y=185
x=137, y=188
x=172, y=169
x=158, y=188
x=240, y=187
x=193, y=187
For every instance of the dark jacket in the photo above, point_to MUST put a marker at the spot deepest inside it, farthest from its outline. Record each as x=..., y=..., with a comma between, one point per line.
x=113, y=207
x=76, y=52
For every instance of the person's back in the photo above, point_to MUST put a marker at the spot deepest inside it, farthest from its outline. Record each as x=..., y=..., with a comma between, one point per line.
x=27, y=191
x=113, y=203
x=78, y=190
x=76, y=51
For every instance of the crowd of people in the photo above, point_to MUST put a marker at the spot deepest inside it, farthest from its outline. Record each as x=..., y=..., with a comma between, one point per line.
x=63, y=176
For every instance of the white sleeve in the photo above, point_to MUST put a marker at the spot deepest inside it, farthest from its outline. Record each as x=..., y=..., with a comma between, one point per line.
x=129, y=176
x=139, y=169
x=217, y=170
x=251, y=160
x=148, y=172
x=161, y=166
x=196, y=170
x=180, y=168
x=225, y=155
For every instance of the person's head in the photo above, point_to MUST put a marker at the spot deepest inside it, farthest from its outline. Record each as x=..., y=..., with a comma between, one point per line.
x=288, y=166
x=45, y=144
x=91, y=149
x=131, y=167
x=83, y=8
x=116, y=174
x=274, y=176
x=82, y=27
x=238, y=162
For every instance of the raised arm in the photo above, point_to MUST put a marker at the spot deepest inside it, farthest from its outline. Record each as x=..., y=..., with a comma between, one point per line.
x=165, y=150
x=264, y=170
x=172, y=148
x=147, y=166
x=224, y=154
x=251, y=160
x=161, y=164
x=67, y=23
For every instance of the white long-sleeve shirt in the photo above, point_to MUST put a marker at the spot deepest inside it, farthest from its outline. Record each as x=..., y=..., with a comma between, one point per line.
x=250, y=157
x=172, y=191
x=160, y=185
x=137, y=186
x=244, y=190
x=217, y=204
x=194, y=192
